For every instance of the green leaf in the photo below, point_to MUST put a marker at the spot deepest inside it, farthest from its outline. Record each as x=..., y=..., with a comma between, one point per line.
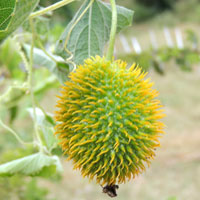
x=13, y=14
x=91, y=33
x=46, y=125
x=37, y=164
x=13, y=95
x=11, y=62
x=158, y=66
x=47, y=83
x=56, y=66
x=13, y=112
x=6, y=8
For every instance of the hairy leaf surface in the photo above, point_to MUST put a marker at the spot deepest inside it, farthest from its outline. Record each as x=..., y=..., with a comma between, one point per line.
x=13, y=13
x=90, y=34
x=37, y=164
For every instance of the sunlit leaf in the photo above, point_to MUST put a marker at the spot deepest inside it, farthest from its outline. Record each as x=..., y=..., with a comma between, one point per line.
x=12, y=62
x=46, y=124
x=37, y=164
x=91, y=33
x=56, y=65
x=13, y=95
x=13, y=13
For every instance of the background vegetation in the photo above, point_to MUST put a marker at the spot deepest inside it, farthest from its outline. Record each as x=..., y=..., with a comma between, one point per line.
x=175, y=172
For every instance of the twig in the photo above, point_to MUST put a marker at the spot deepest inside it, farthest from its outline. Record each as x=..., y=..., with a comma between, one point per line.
x=50, y=8
x=14, y=134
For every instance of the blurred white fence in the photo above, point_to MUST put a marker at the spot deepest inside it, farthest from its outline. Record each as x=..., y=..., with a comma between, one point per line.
x=132, y=45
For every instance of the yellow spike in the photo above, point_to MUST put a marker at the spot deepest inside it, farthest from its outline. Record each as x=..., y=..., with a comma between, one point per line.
x=117, y=94
x=98, y=169
x=76, y=119
x=98, y=146
x=89, y=159
x=87, y=106
x=110, y=123
x=156, y=117
x=116, y=144
x=74, y=138
x=136, y=158
x=129, y=149
x=103, y=152
x=93, y=103
x=133, y=66
x=101, y=109
x=110, y=101
x=105, y=163
x=121, y=159
x=103, y=172
x=86, y=142
x=98, y=158
x=103, y=117
x=95, y=125
x=118, y=107
x=129, y=159
x=101, y=100
x=101, y=90
x=93, y=116
x=112, y=157
x=95, y=112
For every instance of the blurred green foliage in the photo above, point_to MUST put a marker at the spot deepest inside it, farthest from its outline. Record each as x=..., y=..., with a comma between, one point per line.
x=180, y=10
x=158, y=4
x=10, y=65
x=159, y=60
x=12, y=69
x=21, y=188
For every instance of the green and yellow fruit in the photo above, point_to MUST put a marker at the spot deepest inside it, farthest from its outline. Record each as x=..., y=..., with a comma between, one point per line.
x=108, y=120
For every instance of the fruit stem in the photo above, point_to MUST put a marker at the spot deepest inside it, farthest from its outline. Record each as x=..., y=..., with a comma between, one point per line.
x=113, y=30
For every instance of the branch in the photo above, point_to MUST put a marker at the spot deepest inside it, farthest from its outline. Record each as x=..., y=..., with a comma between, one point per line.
x=50, y=8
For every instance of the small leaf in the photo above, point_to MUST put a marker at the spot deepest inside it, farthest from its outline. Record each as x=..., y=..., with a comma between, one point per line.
x=13, y=95
x=91, y=33
x=13, y=14
x=11, y=62
x=158, y=66
x=13, y=111
x=46, y=124
x=48, y=83
x=34, y=165
x=40, y=117
x=60, y=69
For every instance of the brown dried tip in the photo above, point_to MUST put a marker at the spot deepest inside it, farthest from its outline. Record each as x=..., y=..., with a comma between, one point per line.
x=110, y=190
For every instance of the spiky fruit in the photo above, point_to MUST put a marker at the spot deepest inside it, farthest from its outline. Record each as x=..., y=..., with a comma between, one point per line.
x=108, y=120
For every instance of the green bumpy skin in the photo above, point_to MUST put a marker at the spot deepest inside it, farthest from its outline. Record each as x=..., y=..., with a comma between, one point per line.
x=108, y=120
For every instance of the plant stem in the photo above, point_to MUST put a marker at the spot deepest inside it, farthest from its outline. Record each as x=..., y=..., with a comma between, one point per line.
x=31, y=85
x=14, y=133
x=113, y=30
x=50, y=8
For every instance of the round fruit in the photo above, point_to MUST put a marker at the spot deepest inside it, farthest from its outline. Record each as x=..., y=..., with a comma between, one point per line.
x=108, y=120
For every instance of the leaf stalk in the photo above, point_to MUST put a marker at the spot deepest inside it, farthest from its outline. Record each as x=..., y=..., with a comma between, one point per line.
x=14, y=134
x=113, y=30
x=50, y=8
